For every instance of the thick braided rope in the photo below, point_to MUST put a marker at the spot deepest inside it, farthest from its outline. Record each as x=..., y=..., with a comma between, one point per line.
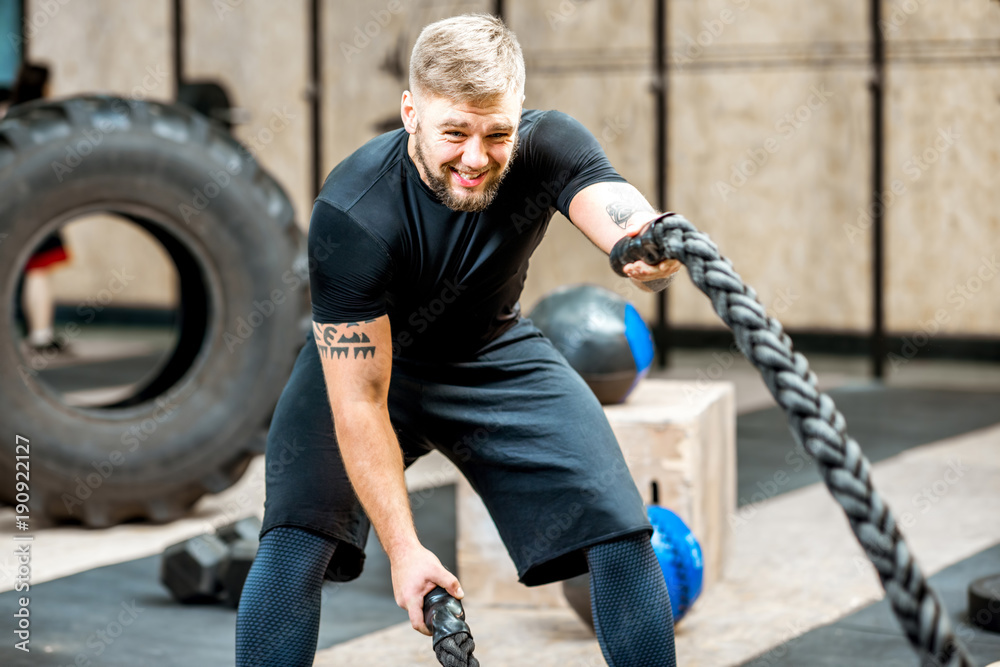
x=818, y=427
x=456, y=651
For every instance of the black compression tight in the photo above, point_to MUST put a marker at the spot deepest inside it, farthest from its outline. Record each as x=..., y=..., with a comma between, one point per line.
x=630, y=603
x=278, y=620
x=279, y=612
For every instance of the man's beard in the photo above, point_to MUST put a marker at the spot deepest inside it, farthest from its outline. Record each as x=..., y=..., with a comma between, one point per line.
x=441, y=183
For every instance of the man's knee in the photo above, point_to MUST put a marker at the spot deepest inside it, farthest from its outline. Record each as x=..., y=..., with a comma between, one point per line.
x=620, y=554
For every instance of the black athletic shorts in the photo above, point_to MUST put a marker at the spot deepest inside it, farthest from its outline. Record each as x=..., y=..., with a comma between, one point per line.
x=518, y=422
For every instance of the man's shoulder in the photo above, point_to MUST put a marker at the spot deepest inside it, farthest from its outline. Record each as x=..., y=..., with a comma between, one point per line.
x=362, y=170
x=534, y=118
x=530, y=119
x=544, y=132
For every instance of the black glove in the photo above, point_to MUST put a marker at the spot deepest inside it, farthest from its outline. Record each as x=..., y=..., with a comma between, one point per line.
x=642, y=246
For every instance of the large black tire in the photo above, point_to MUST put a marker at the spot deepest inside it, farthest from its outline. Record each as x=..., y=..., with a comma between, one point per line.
x=230, y=230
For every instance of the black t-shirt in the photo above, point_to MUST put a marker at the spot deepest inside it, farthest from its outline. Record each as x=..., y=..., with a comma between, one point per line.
x=381, y=242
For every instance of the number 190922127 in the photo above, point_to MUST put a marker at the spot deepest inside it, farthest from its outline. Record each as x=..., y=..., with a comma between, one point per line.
x=22, y=475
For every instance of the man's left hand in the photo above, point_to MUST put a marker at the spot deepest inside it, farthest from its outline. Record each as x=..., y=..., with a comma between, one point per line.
x=640, y=271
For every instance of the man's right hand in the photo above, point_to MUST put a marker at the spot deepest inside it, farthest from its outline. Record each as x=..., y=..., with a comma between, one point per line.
x=358, y=387
x=415, y=573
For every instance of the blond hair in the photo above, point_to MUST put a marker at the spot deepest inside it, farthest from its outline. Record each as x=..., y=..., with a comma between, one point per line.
x=471, y=58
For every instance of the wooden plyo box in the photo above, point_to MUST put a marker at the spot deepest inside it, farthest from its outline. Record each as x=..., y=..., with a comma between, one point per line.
x=679, y=436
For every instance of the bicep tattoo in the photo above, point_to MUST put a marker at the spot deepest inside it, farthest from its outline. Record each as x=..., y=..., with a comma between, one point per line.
x=627, y=202
x=335, y=341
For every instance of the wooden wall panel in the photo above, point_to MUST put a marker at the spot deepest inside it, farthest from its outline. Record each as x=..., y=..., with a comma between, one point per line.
x=773, y=165
x=259, y=51
x=943, y=230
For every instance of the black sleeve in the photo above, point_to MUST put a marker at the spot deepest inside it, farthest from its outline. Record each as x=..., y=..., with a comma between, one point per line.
x=349, y=269
x=567, y=153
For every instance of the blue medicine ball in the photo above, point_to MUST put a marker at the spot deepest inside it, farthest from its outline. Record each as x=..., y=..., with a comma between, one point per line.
x=601, y=335
x=679, y=554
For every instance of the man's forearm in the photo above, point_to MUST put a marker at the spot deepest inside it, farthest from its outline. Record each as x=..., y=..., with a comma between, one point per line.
x=374, y=464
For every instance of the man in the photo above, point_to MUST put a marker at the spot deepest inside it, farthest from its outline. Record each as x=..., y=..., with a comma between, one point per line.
x=37, y=302
x=422, y=239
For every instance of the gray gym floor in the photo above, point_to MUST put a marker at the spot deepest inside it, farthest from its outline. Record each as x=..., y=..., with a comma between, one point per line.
x=871, y=637
x=67, y=613
x=884, y=420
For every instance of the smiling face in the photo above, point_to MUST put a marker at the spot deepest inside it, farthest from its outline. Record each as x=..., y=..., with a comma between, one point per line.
x=462, y=150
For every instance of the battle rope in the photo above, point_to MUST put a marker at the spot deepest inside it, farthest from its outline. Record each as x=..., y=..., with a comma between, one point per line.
x=815, y=423
x=445, y=618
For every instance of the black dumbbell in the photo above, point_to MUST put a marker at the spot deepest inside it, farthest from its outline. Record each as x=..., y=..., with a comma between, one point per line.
x=242, y=539
x=984, y=602
x=190, y=569
x=212, y=567
x=244, y=529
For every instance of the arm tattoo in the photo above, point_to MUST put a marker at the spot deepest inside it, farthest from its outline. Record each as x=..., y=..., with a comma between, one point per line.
x=627, y=203
x=334, y=344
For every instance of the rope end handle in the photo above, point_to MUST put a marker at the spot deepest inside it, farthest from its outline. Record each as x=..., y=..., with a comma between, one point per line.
x=445, y=618
x=642, y=246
